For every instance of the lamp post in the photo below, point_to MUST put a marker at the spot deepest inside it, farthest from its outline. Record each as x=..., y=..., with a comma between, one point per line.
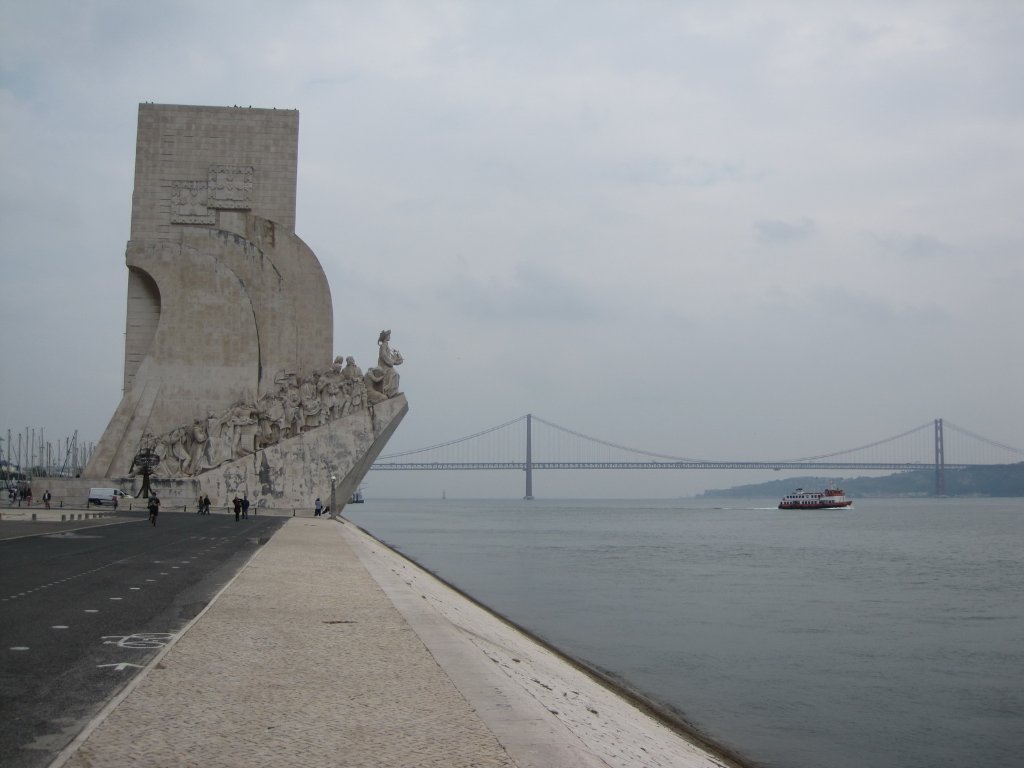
x=334, y=500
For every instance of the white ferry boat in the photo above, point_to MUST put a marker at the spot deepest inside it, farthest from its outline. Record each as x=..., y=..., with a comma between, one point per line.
x=830, y=498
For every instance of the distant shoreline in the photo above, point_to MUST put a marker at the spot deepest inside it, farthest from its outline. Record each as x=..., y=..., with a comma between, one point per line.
x=993, y=481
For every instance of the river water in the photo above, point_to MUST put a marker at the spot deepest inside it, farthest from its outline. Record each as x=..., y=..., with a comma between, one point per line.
x=888, y=634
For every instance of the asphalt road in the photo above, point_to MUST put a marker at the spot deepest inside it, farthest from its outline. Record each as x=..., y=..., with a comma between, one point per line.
x=82, y=611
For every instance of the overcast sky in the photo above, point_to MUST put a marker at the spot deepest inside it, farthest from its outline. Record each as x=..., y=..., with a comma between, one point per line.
x=737, y=230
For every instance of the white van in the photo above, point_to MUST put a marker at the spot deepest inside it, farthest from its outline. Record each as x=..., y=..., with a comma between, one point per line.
x=101, y=496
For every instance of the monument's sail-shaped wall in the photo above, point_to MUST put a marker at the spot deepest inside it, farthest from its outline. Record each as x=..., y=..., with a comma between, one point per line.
x=226, y=305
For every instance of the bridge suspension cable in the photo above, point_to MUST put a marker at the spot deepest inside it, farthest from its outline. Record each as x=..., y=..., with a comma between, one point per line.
x=875, y=444
x=574, y=433
x=452, y=442
x=987, y=441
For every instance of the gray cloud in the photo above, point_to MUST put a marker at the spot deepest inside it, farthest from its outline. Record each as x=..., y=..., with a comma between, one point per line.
x=530, y=294
x=776, y=232
x=916, y=247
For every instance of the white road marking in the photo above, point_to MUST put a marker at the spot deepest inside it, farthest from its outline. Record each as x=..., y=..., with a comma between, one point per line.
x=139, y=640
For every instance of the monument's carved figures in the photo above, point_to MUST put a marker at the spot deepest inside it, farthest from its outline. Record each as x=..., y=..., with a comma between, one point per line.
x=374, y=384
x=196, y=442
x=351, y=372
x=312, y=408
x=387, y=359
x=328, y=391
x=296, y=406
x=179, y=453
x=270, y=418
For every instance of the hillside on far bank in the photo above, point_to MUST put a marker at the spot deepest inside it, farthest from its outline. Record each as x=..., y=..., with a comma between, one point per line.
x=998, y=480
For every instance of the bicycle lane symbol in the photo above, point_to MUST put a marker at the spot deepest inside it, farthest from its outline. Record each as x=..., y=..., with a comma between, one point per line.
x=139, y=640
x=136, y=640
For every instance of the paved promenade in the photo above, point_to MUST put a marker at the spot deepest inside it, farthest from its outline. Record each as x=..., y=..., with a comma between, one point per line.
x=329, y=649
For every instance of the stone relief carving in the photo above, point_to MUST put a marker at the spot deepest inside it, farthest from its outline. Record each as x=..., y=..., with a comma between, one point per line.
x=297, y=405
x=189, y=203
x=230, y=186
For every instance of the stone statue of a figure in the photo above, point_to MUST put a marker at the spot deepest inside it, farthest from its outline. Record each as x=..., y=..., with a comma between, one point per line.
x=387, y=359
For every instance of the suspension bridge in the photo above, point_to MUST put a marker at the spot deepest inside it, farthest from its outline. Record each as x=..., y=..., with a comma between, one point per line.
x=530, y=443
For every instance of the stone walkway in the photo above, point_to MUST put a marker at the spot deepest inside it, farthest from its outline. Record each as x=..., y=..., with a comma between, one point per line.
x=329, y=649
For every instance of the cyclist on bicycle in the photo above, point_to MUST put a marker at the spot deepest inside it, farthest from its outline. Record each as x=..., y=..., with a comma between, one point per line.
x=154, y=508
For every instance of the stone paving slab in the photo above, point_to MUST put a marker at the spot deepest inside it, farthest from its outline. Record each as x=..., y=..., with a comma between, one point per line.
x=329, y=649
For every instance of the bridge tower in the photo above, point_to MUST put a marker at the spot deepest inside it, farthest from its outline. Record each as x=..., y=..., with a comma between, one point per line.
x=940, y=461
x=529, y=457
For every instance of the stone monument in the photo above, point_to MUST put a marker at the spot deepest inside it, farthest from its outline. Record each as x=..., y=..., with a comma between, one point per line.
x=229, y=334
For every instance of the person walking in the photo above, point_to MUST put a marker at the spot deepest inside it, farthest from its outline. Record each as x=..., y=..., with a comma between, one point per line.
x=206, y=505
x=238, y=507
x=318, y=507
x=154, y=508
x=46, y=498
x=245, y=506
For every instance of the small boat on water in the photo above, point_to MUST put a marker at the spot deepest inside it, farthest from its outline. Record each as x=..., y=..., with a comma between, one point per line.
x=830, y=498
x=356, y=497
